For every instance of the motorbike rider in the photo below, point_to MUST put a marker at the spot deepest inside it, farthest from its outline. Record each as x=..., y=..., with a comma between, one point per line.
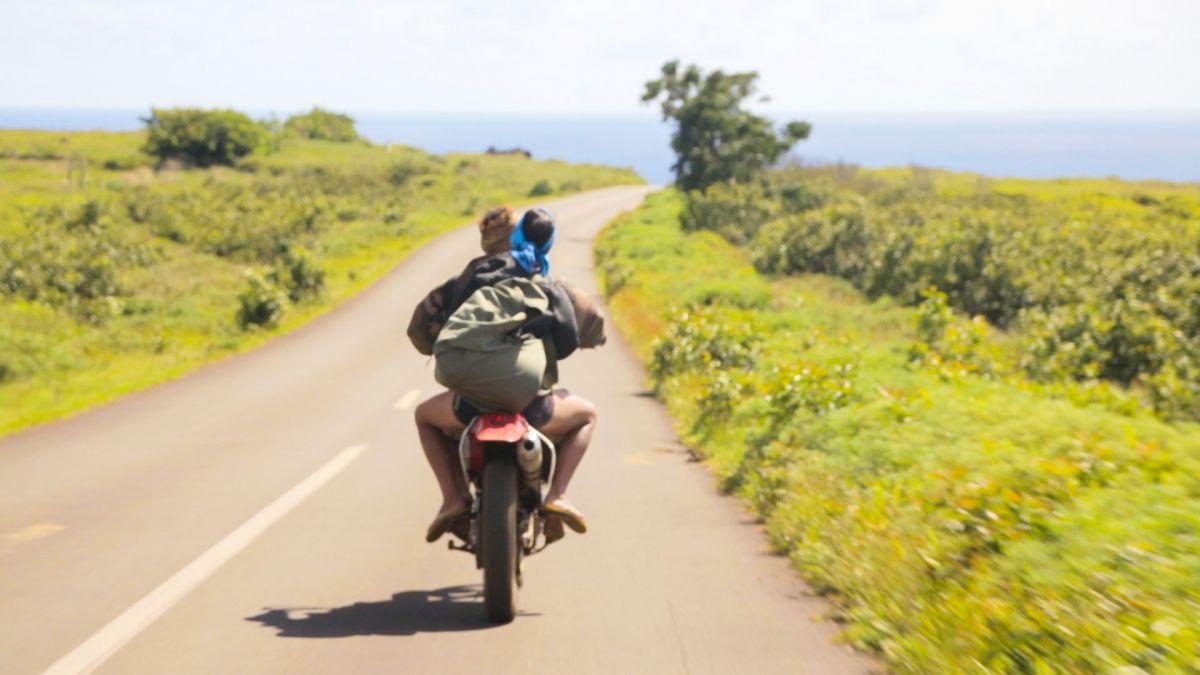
x=512, y=248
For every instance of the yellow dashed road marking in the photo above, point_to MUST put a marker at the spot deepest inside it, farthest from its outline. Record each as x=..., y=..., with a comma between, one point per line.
x=36, y=531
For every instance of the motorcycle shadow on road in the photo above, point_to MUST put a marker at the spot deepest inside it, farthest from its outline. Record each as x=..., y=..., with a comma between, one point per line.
x=454, y=608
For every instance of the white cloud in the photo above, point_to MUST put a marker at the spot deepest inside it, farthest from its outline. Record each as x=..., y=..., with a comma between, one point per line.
x=542, y=56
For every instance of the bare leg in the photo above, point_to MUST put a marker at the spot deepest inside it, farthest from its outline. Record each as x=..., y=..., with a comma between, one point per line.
x=574, y=421
x=436, y=427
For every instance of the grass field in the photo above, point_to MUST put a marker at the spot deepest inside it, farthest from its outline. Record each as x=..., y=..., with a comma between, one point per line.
x=120, y=277
x=962, y=520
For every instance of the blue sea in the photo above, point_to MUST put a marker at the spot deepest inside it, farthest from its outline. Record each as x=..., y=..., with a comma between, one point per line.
x=1126, y=145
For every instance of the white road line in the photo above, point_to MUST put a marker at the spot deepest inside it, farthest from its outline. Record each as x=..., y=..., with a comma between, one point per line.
x=410, y=397
x=95, y=650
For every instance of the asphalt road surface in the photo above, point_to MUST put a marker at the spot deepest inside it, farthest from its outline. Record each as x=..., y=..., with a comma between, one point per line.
x=266, y=515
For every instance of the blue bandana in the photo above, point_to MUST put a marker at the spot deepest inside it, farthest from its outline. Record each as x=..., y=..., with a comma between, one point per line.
x=531, y=257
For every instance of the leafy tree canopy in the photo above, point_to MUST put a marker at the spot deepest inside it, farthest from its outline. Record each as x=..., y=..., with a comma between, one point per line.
x=322, y=125
x=202, y=138
x=716, y=139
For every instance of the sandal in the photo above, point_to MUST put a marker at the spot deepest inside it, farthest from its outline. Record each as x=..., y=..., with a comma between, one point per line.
x=443, y=522
x=553, y=529
x=461, y=528
x=568, y=514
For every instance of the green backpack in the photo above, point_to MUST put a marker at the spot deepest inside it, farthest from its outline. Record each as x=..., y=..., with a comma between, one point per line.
x=482, y=353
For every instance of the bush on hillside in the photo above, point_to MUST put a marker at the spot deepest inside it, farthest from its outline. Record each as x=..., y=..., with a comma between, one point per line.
x=71, y=257
x=300, y=273
x=322, y=125
x=541, y=189
x=407, y=168
x=704, y=339
x=734, y=211
x=261, y=303
x=202, y=138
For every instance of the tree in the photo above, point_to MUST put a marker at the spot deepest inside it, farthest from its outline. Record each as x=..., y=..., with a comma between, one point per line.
x=202, y=137
x=715, y=139
x=322, y=125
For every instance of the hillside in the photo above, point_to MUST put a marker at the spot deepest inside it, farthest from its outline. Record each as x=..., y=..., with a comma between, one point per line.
x=115, y=276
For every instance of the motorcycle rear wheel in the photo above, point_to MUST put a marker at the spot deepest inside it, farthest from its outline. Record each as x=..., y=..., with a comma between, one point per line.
x=498, y=536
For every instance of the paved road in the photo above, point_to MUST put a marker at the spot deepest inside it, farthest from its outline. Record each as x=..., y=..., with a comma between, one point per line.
x=265, y=515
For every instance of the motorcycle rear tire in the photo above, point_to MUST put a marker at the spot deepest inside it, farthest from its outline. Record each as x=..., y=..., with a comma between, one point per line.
x=499, y=538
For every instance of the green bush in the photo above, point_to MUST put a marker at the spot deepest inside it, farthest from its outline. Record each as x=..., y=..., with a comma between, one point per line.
x=828, y=241
x=125, y=162
x=252, y=225
x=541, y=189
x=202, y=138
x=733, y=211
x=704, y=338
x=810, y=387
x=404, y=170
x=261, y=303
x=299, y=273
x=322, y=125
x=71, y=257
x=952, y=346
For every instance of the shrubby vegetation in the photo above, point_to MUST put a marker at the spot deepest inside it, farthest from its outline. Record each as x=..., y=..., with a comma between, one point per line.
x=1093, y=284
x=322, y=125
x=963, y=517
x=134, y=276
x=736, y=212
x=300, y=273
x=202, y=138
x=261, y=302
x=541, y=189
x=70, y=256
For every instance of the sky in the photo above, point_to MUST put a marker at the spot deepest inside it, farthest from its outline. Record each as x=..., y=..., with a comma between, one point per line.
x=591, y=57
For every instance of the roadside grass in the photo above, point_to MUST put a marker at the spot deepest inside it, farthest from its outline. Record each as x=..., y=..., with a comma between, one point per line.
x=135, y=278
x=962, y=521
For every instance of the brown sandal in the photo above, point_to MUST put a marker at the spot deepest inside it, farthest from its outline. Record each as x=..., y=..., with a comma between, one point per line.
x=443, y=522
x=553, y=529
x=568, y=514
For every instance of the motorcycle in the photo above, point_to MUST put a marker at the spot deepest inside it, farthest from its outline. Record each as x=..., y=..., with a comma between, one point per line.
x=508, y=465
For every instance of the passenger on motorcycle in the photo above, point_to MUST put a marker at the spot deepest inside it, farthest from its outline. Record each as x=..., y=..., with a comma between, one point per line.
x=515, y=255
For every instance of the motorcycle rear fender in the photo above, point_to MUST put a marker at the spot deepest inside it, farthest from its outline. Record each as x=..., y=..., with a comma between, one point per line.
x=499, y=428
x=490, y=428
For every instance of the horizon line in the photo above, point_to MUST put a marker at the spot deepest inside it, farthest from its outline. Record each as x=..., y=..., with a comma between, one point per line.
x=648, y=113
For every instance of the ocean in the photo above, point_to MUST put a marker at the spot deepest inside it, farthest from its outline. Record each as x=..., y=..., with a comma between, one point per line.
x=1139, y=146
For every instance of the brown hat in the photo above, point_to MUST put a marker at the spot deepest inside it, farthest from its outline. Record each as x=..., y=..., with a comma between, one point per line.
x=495, y=228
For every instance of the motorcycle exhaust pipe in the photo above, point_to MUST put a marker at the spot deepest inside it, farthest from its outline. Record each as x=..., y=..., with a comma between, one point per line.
x=529, y=458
